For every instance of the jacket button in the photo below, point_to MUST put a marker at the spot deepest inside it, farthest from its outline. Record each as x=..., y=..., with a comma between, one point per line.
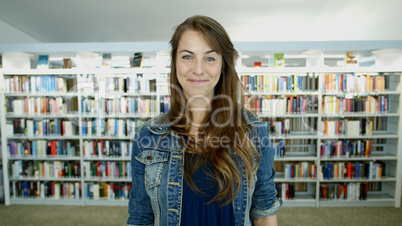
x=149, y=157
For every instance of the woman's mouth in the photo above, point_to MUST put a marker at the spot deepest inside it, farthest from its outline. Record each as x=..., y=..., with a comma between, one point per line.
x=197, y=81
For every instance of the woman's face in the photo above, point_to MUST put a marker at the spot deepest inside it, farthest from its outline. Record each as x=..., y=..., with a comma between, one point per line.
x=198, y=66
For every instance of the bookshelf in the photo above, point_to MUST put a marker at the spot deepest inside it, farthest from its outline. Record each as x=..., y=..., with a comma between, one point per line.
x=309, y=173
x=97, y=101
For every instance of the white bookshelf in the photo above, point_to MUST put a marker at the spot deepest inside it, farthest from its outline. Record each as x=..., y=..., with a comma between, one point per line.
x=388, y=195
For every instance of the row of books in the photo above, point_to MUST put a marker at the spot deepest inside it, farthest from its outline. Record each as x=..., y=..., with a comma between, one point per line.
x=270, y=83
x=332, y=105
x=286, y=191
x=164, y=104
x=285, y=126
x=347, y=127
x=36, y=106
x=302, y=170
x=107, y=191
x=107, y=170
x=349, y=191
x=45, y=190
x=277, y=128
x=46, y=169
x=353, y=83
x=280, y=149
x=110, y=127
x=107, y=148
x=42, y=148
x=133, y=105
x=35, y=84
x=281, y=106
x=353, y=170
x=346, y=148
x=44, y=127
x=135, y=83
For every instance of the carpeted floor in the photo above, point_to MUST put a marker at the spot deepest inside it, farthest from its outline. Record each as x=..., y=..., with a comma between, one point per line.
x=101, y=215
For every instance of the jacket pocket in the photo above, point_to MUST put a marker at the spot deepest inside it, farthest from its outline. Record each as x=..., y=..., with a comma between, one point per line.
x=154, y=161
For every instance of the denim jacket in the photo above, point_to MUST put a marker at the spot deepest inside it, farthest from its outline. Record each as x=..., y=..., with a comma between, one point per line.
x=157, y=177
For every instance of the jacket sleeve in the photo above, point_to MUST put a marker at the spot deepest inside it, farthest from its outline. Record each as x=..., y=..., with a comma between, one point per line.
x=264, y=201
x=139, y=206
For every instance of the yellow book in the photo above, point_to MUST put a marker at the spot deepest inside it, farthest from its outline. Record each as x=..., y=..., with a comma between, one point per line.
x=331, y=105
x=106, y=190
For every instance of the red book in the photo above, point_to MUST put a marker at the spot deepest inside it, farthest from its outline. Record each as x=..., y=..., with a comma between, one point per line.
x=345, y=191
x=365, y=186
x=16, y=84
x=44, y=105
x=349, y=170
x=53, y=151
x=261, y=83
x=93, y=148
x=107, y=170
x=323, y=151
x=102, y=145
x=98, y=172
x=244, y=81
x=340, y=82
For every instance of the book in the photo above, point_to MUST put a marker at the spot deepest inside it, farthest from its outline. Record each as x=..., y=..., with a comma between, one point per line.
x=351, y=59
x=137, y=60
x=43, y=62
x=106, y=60
x=67, y=63
x=279, y=60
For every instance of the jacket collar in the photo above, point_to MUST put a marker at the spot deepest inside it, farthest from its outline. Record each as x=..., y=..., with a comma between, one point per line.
x=159, y=125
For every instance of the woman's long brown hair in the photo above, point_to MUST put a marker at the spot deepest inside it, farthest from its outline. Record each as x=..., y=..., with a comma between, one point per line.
x=224, y=122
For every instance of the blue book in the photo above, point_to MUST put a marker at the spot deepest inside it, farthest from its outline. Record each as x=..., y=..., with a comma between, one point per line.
x=373, y=88
x=56, y=127
x=103, y=169
x=25, y=189
x=337, y=83
x=330, y=164
x=358, y=170
x=84, y=128
x=300, y=83
x=103, y=127
x=325, y=170
x=68, y=148
x=43, y=61
x=132, y=105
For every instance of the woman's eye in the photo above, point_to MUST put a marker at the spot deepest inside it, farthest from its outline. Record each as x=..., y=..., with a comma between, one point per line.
x=210, y=59
x=187, y=57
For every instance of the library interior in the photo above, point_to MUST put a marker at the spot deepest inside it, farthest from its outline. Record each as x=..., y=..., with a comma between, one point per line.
x=78, y=79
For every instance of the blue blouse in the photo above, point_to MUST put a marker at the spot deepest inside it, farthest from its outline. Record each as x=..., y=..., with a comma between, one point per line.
x=195, y=211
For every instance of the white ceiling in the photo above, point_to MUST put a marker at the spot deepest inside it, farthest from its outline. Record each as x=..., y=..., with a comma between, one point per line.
x=154, y=20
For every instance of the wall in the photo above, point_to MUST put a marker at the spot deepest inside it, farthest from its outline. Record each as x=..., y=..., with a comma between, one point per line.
x=10, y=34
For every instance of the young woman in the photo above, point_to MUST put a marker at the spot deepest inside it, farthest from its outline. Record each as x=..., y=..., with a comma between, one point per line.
x=208, y=160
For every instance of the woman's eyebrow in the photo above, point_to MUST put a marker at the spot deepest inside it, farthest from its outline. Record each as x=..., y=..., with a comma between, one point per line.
x=188, y=51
